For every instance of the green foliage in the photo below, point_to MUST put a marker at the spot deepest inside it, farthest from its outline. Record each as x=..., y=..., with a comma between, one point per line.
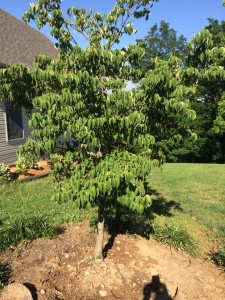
x=28, y=159
x=206, y=61
x=5, y=272
x=4, y=173
x=163, y=42
x=219, y=122
x=32, y=153
x=108, y=138
x=27, y=228
x=98, y=29
x=219, y=257
x=217, y=30
x=175, y=237
x=121, y=220
x=22, y=165
x=16, y=86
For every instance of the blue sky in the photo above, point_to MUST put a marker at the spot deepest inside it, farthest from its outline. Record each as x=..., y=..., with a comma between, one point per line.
x=187, y=17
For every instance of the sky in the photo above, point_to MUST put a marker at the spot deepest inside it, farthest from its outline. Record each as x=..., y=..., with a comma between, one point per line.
x=187, y=17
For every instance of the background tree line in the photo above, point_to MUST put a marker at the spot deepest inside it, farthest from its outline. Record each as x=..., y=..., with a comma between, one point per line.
x=204, y=55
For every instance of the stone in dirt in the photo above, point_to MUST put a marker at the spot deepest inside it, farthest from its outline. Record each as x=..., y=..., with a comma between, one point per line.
x=16, y=291
x=102, y=293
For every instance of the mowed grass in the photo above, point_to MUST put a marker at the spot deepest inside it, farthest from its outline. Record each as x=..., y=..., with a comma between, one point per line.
x=19, y=200
x=196, y=193
x=190, y=196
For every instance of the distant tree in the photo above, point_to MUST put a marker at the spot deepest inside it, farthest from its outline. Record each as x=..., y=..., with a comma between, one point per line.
x=207, y=58
x=163, y=42
x=217, y=29
x=16, y=83
x=108, y=137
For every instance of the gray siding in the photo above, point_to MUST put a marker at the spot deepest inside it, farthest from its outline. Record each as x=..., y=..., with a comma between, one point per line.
x=8, y=149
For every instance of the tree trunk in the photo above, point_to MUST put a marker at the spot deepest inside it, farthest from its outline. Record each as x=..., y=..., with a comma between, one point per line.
x=100, y=233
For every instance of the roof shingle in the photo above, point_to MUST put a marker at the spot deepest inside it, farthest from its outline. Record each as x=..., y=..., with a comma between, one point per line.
x=20, y=43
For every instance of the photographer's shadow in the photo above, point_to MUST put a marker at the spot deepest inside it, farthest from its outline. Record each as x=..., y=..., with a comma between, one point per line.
x=156, y=290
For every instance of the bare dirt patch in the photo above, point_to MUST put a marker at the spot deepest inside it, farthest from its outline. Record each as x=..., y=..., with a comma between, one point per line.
x=133, y=269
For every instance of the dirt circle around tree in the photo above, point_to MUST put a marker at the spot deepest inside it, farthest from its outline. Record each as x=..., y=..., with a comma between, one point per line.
x=134, y=268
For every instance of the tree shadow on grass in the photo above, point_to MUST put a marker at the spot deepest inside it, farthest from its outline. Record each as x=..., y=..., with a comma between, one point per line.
x=121, y=220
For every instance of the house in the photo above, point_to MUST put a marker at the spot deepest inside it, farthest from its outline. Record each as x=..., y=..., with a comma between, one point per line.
x=19, y=43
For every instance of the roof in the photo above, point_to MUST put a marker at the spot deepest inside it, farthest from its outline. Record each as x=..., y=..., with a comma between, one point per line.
x=20, y=43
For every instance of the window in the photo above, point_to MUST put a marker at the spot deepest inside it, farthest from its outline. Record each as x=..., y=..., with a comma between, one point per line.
x=14, y=122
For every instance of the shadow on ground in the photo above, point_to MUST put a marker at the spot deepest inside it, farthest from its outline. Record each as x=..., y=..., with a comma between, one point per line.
x=156, y=290
x=32, y=289
x=122, y=220
x=5, y=272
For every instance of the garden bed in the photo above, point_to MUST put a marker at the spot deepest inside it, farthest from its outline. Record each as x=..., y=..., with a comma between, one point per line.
x=45, y=169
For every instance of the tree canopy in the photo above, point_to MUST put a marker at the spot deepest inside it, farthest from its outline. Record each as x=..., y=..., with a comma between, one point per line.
x=163, y=42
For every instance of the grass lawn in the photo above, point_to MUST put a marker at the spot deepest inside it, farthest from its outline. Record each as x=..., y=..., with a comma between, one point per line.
x=33, y=198
x=197, y=196
x=191, y=196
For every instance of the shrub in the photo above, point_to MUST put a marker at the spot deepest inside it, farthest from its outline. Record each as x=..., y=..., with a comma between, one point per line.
x=176, y=238
x=26, y=162
x=4, y=173
x=22, y=165
x=54, y=159
x=28, y=228
x=219, y=257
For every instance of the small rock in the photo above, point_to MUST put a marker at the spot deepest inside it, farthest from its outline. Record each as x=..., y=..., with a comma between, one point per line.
x=145, y=281
x=103, y=265
x=102, y=293
x=118, y=242
x=118, y=248
x=67, y=255
x=42, y=292
x=134, y=284
x=153, y=271
x=121, y=266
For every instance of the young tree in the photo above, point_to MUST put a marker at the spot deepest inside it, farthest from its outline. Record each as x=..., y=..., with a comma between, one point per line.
x=106, y=134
